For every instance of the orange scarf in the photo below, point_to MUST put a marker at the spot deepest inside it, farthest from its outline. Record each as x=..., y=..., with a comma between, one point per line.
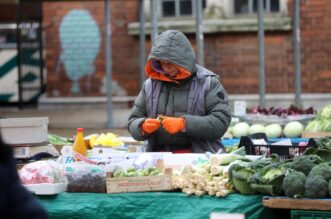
x=150, y=72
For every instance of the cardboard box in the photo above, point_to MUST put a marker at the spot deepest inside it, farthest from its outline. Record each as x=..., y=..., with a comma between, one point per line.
x=139, y=184
x=307, y=134
x=32, y=130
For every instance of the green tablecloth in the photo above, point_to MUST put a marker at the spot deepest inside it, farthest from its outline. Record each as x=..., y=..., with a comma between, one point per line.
x=150, y=205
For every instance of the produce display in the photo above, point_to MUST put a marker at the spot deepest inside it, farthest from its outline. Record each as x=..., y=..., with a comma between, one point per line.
x=279, y=111
x=88, y=182
x=291, y=129
x=58, y=140
x=85, y=178
x=131, y=172
x=278, y=115
x=322, y=122
x=211, y=178
x=307, y=175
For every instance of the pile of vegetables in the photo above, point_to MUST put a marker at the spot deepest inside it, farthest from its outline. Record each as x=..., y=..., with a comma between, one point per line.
x=263, y=175
x=131, y=172
x=307, y=175
x=291, y=129
x=279, y=111
x=58, y=140
x=322, y=122
x=210, y=178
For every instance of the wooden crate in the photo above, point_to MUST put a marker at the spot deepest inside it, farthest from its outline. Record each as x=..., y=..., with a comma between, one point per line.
x=293, y=203
x=138, y=184
x=307, y=134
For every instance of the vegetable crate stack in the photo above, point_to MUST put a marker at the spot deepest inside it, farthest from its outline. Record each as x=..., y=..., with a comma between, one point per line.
x=27, y=136
x=155, y=178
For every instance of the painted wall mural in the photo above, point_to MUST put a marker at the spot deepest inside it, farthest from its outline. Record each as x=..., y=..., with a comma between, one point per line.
x=80, y=41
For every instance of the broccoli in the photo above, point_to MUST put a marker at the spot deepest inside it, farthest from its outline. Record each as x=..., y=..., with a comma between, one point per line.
x=323, y=169
x=305, y=163
x=316, y=187
x=294, y=184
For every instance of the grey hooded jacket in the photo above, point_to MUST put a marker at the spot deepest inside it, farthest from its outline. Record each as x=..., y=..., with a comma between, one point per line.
x=200, y=99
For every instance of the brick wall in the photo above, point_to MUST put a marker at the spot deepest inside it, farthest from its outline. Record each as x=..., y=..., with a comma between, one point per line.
x=316, y=45
x=8, y=12
x=233, y=55
x=124, y=48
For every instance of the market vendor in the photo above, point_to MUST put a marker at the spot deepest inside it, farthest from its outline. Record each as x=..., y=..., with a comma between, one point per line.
x=182, y=106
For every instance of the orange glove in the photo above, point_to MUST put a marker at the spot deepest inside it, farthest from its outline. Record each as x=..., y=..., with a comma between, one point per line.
x=173, y=125
x=151, y=125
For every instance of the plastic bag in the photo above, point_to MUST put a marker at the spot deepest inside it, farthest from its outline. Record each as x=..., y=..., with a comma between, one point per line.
x=45, y=171
x=85, y=177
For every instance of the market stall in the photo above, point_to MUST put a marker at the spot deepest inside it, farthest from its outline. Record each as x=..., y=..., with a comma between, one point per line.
x=151, y=205
x=110, y=176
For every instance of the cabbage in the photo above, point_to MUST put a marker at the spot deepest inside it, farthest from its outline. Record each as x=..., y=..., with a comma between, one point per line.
x=326, y=112
x=314, y=126
x=273, y=131
x=256, y=128
x=240, y=129
x=326, y=126
x=293, y=129
x=319, y=126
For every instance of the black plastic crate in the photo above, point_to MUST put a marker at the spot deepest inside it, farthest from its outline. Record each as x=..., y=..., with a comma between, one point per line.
x=284, y=152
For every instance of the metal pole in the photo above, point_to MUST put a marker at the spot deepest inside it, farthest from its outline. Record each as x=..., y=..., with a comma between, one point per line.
x=297, y=54
x=142, y=38
x=108, y=65
x=154, y=24
x=261, y=54
x=199, y=31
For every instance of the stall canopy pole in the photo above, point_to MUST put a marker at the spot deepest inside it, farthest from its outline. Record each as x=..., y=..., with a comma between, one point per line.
x=142, y=38
x=108, y=65
x=154, y=24
x=199, y=31
x=261, y=54
x=297, y=56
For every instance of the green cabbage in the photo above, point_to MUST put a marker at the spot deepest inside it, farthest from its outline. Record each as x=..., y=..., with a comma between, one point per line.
x=293, y=129
x=325, y=113
x=273, y=131
x=326, y=126
x=240, y=129
x=314, y=126
x=256, y=128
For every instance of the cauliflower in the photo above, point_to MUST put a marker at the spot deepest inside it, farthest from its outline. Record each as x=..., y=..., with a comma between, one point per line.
x=316, y=187
x=305, y=163
x=294, y=184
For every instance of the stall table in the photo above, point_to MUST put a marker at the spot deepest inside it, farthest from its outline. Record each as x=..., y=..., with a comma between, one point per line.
x=150, y=205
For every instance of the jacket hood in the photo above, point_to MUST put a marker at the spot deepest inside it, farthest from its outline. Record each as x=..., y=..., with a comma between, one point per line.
x=173, y=46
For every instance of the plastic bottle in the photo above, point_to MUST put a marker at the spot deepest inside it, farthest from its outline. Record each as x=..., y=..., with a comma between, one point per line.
x=79, y=145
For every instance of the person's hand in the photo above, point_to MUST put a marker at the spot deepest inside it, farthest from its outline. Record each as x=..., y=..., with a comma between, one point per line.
x=151, y=125
x=173, y=125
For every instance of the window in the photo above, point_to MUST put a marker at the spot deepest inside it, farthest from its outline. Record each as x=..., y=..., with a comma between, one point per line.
x=250, y=6
x=178, y=8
